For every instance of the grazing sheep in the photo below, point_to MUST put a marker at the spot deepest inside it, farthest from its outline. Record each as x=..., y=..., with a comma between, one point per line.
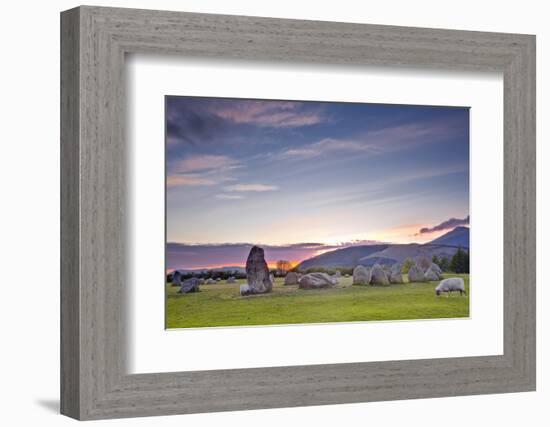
x=451, y=285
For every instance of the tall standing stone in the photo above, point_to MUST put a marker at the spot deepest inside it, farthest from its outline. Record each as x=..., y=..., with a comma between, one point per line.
x=257, y=272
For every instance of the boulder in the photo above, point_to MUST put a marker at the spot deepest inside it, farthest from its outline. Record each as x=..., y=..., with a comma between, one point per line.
x=291, y=278
x=424, y=263
x=337, y=274
x=361, y=275
x=378, y=276
x=177, y=278
x=231, y=280
x=190, y=285
x=437, y=269
x=416, y=274
x=433, y=273
x=210, y=282
x=316, y=281
x=244, y=290
x=257, y=273
x=395, y=273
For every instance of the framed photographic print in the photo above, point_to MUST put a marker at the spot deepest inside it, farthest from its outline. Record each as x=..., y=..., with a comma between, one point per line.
x=324, y=196
x=298, y=212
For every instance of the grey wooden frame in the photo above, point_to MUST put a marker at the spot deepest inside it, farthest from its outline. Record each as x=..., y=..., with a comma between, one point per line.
x=94, y=382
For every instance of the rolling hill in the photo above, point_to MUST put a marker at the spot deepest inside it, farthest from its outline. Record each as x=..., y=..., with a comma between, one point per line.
x=347, y=257
x=388, y=254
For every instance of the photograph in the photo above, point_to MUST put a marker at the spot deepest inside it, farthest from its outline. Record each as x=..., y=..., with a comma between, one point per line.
x=286, y=212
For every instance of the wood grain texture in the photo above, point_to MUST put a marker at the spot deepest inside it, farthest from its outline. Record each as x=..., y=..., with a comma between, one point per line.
x=94, y=382
x=70, y=314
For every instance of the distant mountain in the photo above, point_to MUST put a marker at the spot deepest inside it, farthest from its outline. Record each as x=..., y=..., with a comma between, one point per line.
x=388, y=254
x=460, y=236
x=347, y=257
x=398, y=253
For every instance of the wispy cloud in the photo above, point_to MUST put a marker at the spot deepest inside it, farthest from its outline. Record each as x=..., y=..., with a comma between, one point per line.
x=188, y=179
x=202, y=170
x=229, y=196
x=205, y=162
x=378, y=141
x=445, y=225
x=268, y=113
x=325, y=146
x=250, y=188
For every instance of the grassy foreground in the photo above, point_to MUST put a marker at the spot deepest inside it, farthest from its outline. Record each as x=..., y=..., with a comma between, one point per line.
x=221, y=305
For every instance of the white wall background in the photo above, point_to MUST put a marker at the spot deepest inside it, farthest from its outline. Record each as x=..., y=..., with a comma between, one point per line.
x=29, y=214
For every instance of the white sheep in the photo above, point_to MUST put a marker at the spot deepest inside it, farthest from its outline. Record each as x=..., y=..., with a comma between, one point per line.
x=451, y=285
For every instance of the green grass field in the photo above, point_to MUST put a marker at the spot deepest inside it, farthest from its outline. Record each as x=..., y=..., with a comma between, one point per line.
x=221, y=304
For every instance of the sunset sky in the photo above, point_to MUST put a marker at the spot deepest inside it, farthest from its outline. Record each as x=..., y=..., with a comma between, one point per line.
x=301, y=178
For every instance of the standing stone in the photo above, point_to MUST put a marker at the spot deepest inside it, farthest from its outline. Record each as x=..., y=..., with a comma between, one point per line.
x=379, y=276
x=190, y=285
x=337, y=274
x=424, y=263
x=257, y=273
x=231, y=280
x=316, y=281
x=291, y=278
x=437, y=269
x=416, y=274
x=177, y=278
x=395, y=273
x=361, y=275
x=433, y=273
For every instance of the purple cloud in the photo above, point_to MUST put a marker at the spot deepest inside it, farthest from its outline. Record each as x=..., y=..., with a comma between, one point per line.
x=446, y=225
x=267, y=113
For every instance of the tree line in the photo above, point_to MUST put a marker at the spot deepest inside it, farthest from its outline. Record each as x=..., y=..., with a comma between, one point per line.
x=459, y=262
